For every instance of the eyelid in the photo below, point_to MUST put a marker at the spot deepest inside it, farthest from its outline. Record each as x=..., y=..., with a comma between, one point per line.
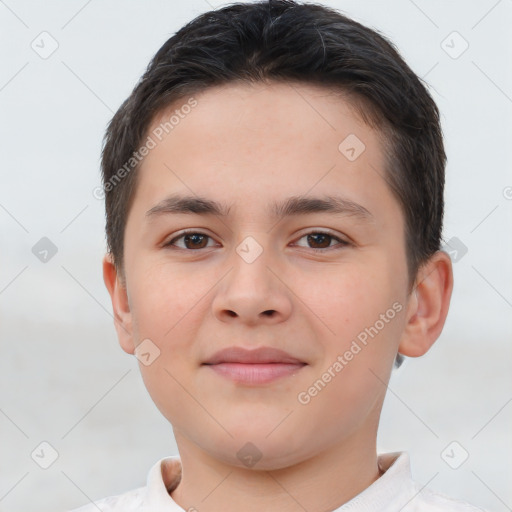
x=323, y=231
x=181, y=234
x=343, y=241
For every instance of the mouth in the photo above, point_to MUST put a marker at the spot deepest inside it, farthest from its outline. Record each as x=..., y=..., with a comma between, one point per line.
x=251, y=367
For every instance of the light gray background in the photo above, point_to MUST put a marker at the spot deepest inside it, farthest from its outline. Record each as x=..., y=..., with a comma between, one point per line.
x=63, y=377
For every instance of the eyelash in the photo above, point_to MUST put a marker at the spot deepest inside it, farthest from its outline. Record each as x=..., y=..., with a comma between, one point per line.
x=341, y=243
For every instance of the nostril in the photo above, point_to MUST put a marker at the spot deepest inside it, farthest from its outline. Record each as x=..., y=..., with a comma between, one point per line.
x=269, y=312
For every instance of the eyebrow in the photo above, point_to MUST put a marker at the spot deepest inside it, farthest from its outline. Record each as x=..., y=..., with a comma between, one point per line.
x=295, y=205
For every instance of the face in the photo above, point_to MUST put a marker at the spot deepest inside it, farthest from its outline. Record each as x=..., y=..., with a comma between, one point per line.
x=262, y=223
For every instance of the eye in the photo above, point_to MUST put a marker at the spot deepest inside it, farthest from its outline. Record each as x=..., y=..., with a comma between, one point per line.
x=192, y=240
x=321, y=241
x=316, y=240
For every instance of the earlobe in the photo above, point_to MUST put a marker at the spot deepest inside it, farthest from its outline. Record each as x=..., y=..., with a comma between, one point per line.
x=120, y=304
x=428, y=305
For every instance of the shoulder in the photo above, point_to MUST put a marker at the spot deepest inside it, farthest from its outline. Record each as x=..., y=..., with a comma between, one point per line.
x=162, y=478
x=126, y=502
x=428, y=500
x=399, y=491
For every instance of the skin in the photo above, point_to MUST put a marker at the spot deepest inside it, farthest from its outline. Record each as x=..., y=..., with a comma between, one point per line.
x=247, y=146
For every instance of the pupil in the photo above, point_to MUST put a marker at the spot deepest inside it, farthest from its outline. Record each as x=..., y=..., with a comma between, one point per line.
x=324, y=238
x=194, y=238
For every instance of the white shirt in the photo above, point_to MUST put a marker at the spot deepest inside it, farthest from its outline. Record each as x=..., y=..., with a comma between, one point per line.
x=394, y=491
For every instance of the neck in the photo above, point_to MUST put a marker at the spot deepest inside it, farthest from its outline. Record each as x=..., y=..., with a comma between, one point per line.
x=325, y=481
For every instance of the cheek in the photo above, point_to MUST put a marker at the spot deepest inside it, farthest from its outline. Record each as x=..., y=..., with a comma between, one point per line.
x=364, y=312
x=348, y=297
x=162, y=297
x=356, y=367
x=165, y=305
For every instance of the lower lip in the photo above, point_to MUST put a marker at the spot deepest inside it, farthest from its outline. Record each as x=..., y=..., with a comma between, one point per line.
x=255, y=373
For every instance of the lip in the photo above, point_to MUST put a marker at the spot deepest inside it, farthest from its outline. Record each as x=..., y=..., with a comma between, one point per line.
x=256, y=366
x=259, y=355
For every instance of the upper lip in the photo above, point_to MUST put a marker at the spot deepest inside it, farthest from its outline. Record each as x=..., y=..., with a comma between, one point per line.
x=259, y=355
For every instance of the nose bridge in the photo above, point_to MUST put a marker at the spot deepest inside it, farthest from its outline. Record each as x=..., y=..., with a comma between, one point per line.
x=251, y=290
x=250, y=260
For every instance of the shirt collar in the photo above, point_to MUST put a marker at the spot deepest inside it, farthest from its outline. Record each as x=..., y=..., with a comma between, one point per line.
x=157, y=497
x=389, y=493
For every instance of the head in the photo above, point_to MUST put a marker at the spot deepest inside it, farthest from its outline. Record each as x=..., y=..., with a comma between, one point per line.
x=306, y=161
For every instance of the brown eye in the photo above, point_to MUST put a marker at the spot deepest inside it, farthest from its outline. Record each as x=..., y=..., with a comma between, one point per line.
x=322, y=242
x=196, y=241
x=319, y=240
x=191, y=241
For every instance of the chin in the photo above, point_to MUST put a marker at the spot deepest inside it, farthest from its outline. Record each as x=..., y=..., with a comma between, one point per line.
x=257, y=449
x=258, y=456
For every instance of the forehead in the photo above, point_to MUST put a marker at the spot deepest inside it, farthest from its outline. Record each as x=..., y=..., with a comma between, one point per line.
x=239, y=141
x=271, y=106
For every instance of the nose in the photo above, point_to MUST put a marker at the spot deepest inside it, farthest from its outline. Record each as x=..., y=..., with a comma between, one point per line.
x=253, y=292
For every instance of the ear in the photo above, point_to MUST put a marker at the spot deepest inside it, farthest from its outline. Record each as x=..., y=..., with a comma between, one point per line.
x=120, y=304
x=428, y=305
